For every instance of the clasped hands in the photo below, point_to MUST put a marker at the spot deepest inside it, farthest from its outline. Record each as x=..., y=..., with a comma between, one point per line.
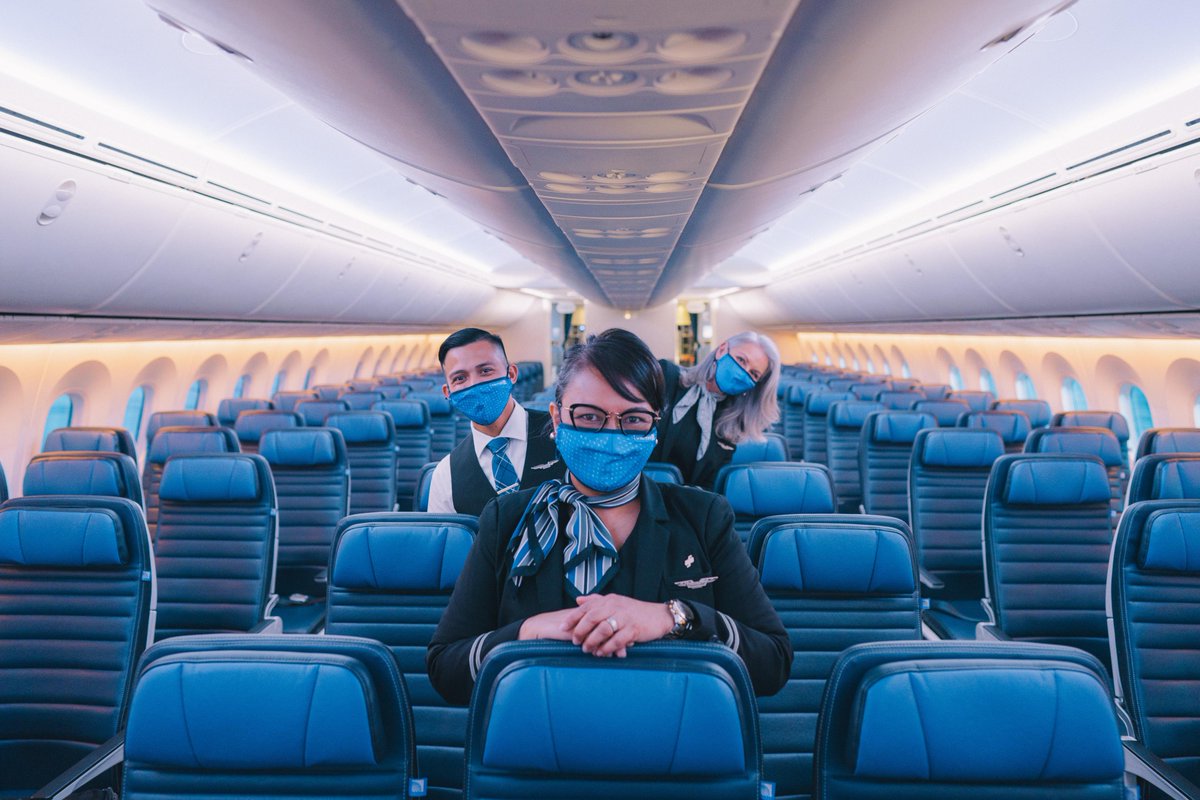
x=603, y=624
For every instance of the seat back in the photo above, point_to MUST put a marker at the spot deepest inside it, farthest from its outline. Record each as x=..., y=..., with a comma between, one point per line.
x=1013, y=426
x=175, y=419
x=359, y=385
x=544, y=724
x=97, y=440
x=424, y=483
x=314, y=412
x=287, y=401
x=76, y=611
x=1038, y=411
x=251, y=425
x=945, y=721
x=326, y=391
x=869, y=391
x=229, y=408
x=816, y=409
x=443, y=423
x=1046, y=542
x=177, y=440
x=1154, y=624
x=312, y=487
x=414, y=445
x=1165, y=477
x=933, y=391
x=1100, y=442
x=1113, y=420
x=1169, y=440
x=371, y=447
x=901, y=401
x=394, y=391
x=792, y=411
x=835, y=581
x=216, y=545
x=977, y=400
x=946, y=412
x=772, y=447
x=946, y=481
x=843, y=435
x=662, y=472
x=83, y=473
x=763, y=490
x=361, y=400
x=390, y=578
x=884, y=455
x=268, y=716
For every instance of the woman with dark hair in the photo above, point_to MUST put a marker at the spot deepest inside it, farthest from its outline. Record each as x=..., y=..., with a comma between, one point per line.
x=607, y=558
x=727, y=398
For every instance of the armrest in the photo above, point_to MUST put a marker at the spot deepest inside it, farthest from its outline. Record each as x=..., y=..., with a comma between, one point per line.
x=1141, y=762
x=931, y=581
x=104, y=757
x=986, y=631
x=269, y=626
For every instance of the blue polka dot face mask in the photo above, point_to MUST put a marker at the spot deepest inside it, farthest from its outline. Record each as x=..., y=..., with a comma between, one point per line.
x=483, y=403
x=732, y=377
x=604, y=460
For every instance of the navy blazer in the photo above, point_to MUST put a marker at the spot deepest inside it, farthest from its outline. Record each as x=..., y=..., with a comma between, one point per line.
x=678, y=441
x=686, y=549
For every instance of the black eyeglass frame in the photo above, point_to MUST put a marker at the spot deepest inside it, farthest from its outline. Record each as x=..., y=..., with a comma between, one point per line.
x=654, y=418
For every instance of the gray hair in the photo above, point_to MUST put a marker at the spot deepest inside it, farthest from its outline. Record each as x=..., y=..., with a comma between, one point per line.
x=751, y=414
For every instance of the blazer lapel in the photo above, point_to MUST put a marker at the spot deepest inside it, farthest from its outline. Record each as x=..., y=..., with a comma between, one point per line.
x=654, y=533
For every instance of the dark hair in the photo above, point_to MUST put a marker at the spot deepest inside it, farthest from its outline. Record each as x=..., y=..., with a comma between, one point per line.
x=465, y=337
x=623, y=360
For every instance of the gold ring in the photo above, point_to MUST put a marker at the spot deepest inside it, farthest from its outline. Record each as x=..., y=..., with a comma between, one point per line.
x=612, y=623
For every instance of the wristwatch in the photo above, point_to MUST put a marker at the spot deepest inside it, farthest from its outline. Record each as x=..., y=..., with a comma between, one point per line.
x=681, y=612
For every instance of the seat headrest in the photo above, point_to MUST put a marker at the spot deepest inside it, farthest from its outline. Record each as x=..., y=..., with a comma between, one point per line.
x=1099, y=442
x=898, y=427
x=61, y=538
x=946, y=412
x=302, y=447
x=363, y=427
x=1038, y=411
x=818, y=402
x=314, y=412
x=251, y=424
x=405, y=413
x=165, y=419
x=758, y=490
x=1171, y=542
x=1013, y=426
x=797, y=392
x=831, y=559
x=978, y=400
x=1055, y=482
x=102, y=440
x=439, y=406
x=260, y=711
x=1179, y=441
x=1112, y=420
x=1177, y=480
x=287, y=401
x=230, y=478
x=79, y=473
x=360, y=400
x=229, y=408
x=948, y=721
x=174, y=441
x=851, y=413
x=958, y=447
x=901, y=400
x=401, y=558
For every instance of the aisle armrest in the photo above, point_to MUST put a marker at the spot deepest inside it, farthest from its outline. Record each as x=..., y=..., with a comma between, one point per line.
x=104, y=757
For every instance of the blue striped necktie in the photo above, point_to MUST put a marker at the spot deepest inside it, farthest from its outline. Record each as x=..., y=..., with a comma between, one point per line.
x=504, y=475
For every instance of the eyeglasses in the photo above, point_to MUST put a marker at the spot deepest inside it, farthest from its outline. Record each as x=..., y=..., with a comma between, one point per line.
x=632, y=423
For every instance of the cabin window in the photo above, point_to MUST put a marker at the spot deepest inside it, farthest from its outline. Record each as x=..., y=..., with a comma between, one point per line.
x=1196, y=412
x=280, y=377
x=986, y=382
x=239, y=388
x=842, y=362
x=133, y=411
x=956, y=381
x=854, y=361
x=814, y=358
x=1136, y=410
x=61, y=412
x=905, y=372
x=308, y=377
x=1025, y=387
x=870, y=365
x=1073, y=398
x=828, y=360
x=195, y=395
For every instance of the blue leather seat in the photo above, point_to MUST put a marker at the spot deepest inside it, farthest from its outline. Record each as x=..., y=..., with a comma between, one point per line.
x=932, y=391
x=662, y=472
x=1013, y=426
x=884, y=455
x=390, y=578
x=177, y=440
x=773, y=447
x=1154, y=604
x=900, y=401
x=948, y=721
x=360, y=385
x=946, y=481
x=251, y=425
x=763, y=490
x=843, y=436
x=76, y=603
x=3, y=485
x=287, y=401
x=443, y=423
x=268, y=717
x=1038, y=411
x=904, y=384
x=98, y=440
x=229, y=408
x=174, y=419
x=424, y=482
x=977, y=400
x=816, y=409
x=1100, y=442
x=361, y=400
x=394, y=391
x=417, y=384
x=869, y=391
x=325, y=391
x=314, y=412
x=1169, y=440
x=792, y=412
x=1113, y=420
x=312, y=487
x=83, y=473
x=544, y=724
x=371, y=446
x=1046, y=543
x=386, y=380
x=946, y=412
x=843, y=383
x=1165, y=477
x=414, y=445
x=835, y=581
x=216, y=545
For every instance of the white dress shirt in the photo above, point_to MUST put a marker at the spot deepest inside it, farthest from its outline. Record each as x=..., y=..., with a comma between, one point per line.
x=516, y=430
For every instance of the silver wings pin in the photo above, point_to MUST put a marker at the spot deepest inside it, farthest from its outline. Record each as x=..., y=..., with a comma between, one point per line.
x=547, y=465
x=699, y=583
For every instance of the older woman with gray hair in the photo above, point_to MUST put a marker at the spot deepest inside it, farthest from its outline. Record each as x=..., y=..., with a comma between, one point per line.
x=729, y=397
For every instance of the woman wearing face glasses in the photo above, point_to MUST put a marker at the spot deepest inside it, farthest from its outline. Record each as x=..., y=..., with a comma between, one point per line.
x=727, y=398
x=607, y=558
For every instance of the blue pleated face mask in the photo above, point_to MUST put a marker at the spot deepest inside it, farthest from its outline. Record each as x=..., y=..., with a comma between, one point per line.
x=732, y=377
x=604, y=460
x=483, y=403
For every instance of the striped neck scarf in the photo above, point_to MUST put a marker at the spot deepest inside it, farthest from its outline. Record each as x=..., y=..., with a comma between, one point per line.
x=704, y=413
x=589, y=556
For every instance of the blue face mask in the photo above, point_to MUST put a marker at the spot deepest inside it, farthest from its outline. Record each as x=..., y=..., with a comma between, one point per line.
x=604, y=460
x=732, y=377
x=483, y=403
